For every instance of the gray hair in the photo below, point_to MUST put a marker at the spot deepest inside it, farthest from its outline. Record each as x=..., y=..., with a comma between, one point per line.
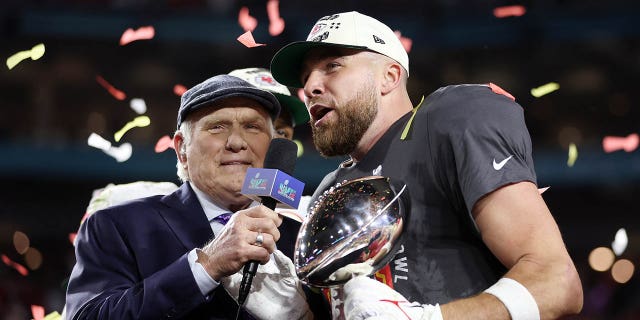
x=186, y=130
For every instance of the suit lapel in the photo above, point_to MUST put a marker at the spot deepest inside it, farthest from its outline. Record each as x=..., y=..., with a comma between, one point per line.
x=186, y=218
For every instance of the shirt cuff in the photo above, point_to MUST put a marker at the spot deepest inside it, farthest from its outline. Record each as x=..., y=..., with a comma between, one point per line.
x=203, y=280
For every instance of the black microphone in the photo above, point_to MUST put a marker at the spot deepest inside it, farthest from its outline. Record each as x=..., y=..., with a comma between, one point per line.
x=272, y=184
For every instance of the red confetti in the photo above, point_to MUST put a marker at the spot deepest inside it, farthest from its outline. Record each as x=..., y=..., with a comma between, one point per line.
x=301, y=95
x=628, y=144
x=246, y=21
x=247, y=39
x=509, y=11
x=501, y=91
x=37, y=312
x=72, y=238
x=112, y=90
x=406, y=42
x=276, y=23
x=21, y=269
x=142, y=33
x=164, y=143
x=179, y=89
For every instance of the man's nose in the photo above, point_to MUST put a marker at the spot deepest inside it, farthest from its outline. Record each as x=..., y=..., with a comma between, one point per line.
x=236, y=141
x=314, y=85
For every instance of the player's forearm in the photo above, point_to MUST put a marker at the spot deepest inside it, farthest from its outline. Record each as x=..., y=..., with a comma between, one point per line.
x=482, y=306
x=555, y=287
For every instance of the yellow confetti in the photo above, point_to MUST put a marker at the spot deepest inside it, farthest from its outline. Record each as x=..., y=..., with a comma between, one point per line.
x=544, y=89
x=141, y=121
x=53, y=316
x=300, y=148
x=35, y=53
x=573, y=155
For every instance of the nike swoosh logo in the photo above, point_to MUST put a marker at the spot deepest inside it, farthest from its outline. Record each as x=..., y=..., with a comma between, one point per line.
x=497, y=166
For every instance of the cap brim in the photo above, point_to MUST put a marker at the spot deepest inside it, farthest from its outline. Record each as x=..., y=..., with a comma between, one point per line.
x=286, y=64
x=296, y=108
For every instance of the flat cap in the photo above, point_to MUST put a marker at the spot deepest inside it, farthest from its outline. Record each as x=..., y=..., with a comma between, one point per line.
x=221, y=87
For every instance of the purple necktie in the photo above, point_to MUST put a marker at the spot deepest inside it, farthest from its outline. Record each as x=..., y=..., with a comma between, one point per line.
x=223, y=218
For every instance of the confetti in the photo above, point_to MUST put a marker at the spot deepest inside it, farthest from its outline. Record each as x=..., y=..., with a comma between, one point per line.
x=113, y=91
x=509, y=11
x=35, y=53
x=163, y=144
x=406, y=42
x=628, y=144
x=20, y=268
x=620, y=242
x=142, y=33
x=121, y=153
x=179, y=89
x=573, y=154
x=542, y=190
x=302, y=96
x=138, y=105
x=300, y=148
x=544, y=89
x=276, y=23
x=96, y=141
x=37, y=312
x=53, y=316
x=141, y=121
x=501, y=91
x=247, y=39
x=246, y=21
x=72, y=238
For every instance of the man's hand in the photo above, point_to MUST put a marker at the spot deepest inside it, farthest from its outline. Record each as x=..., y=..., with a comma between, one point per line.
x=236, y=244
x=366, y=298
x=276, y=292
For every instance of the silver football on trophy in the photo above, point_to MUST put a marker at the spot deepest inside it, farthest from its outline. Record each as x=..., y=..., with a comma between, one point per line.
x=353, y=228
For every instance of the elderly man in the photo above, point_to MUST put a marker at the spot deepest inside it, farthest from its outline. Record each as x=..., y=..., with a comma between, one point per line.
x=153, y=258
x=481, y=242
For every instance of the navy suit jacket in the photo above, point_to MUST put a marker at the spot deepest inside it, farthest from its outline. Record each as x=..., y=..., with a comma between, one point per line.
x=132, y=262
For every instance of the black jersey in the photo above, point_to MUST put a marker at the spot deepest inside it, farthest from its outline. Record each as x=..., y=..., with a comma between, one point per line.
x=463, y=142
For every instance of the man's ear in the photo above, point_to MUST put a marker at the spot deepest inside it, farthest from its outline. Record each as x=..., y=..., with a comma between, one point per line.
x=392, y=77
x=180, y=147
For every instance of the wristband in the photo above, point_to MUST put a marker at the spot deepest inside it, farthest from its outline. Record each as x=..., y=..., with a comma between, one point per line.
x=516, y=298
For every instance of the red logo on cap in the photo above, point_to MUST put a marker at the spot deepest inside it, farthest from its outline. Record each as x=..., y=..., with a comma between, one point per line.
x=266, y=79
x=316, y=28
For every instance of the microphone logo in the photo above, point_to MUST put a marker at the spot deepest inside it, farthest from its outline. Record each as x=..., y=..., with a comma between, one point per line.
x=258, y=183
x=286, y=191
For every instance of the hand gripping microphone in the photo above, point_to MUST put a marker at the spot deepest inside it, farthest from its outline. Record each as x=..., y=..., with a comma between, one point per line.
x=270, y=185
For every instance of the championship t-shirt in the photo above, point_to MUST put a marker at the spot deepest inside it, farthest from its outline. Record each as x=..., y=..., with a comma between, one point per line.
x=463, y=142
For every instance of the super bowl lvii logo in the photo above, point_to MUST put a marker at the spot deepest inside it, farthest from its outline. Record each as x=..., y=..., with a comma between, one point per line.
x=286, y=191
x=258, y=183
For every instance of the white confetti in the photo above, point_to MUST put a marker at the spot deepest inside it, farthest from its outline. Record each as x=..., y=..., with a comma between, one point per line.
x=121, y=153
x=138, y=105
x=96, y=141
x=620, y=242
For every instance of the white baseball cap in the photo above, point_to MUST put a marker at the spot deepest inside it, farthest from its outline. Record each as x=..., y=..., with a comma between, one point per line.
x=262, y=78
x=348, y=30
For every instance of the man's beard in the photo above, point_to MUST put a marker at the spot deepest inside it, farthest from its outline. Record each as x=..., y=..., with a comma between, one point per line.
x=354, y=118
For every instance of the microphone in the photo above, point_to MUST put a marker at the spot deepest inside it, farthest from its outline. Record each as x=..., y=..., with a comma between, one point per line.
x=270, y=185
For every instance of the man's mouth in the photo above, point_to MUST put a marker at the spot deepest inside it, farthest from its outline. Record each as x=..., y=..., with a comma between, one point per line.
x=236, y=163
x=318, y=112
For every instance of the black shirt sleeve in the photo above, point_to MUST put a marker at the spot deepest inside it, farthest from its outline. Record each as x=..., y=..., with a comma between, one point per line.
x=480, y=139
